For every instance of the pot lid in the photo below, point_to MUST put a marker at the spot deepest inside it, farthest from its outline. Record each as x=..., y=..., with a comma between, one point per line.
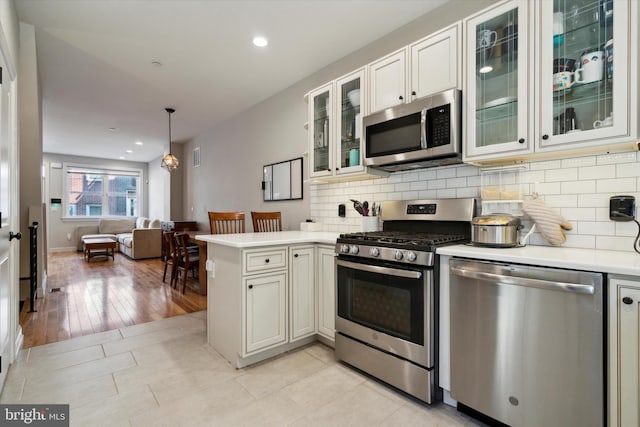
x=496, y=219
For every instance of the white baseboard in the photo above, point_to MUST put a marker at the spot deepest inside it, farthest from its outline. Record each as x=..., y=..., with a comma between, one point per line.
x=19, y=341
x=44, y=285
x=64, y=249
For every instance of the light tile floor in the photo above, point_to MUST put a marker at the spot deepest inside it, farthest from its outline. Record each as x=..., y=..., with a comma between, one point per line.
x=163, y=373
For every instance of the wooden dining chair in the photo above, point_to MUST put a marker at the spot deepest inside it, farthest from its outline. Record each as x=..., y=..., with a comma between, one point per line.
x=266, y=221
x=185, y=261
x=169, y=256
x=226, y=222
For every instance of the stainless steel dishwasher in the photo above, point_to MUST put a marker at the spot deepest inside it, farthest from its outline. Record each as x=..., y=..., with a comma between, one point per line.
x=527, y=343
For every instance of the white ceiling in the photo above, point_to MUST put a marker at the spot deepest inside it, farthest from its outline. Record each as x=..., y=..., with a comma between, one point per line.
x=95, y=62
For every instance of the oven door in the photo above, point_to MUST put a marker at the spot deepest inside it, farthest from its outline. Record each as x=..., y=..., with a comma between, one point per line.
x=387, y=306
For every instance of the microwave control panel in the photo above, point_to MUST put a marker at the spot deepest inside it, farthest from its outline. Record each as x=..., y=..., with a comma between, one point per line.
x=439, y=126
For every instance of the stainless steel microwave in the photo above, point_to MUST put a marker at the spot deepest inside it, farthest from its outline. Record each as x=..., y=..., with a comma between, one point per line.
x=423, y=133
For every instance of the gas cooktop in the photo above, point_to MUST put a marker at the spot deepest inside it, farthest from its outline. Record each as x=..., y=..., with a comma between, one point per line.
x=403, y=239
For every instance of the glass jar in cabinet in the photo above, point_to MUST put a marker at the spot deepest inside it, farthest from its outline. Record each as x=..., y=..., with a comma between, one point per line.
x=320, y=131
x=498, y=82
x=350, y=96
x=584, y=87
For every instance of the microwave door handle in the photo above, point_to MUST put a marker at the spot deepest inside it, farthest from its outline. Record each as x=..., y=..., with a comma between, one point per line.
x=423, y=129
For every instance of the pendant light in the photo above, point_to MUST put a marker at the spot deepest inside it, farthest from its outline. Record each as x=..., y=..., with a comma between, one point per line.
x=169, y=161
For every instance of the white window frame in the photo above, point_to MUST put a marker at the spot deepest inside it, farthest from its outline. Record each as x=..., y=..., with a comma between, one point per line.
x=98, y=170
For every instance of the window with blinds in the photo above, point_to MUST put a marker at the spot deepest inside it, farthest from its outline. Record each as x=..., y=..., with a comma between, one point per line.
x=102, y=193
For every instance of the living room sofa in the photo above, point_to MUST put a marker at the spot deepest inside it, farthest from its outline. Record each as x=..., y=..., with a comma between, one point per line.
x=137, y=238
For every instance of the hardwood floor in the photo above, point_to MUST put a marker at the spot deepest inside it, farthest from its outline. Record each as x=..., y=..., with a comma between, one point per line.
x=102, y=295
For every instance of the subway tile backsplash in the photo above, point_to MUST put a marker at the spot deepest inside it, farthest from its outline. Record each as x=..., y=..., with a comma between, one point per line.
x=577, y=188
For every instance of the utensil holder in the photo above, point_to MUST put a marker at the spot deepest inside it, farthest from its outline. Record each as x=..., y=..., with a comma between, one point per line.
x=370, y=223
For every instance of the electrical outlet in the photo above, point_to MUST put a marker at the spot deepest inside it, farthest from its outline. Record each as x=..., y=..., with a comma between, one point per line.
x=622, y=208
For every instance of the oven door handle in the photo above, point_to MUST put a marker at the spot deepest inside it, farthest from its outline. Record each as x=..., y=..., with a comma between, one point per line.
x=379, y=269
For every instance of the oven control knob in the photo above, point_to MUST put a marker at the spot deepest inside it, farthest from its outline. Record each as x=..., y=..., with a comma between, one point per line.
x=411, y=256
x=344, y=249
x=374, y=252
x=397, y=255
x=354, y=250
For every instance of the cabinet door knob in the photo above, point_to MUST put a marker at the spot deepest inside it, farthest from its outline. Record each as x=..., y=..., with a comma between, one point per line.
x=413, y=93
x=400, y=97
x=627, y=300
x=337, y=169
x=521, y=140
x=250, y=286
x=266, y=260
x=295, y=255
x=545, y=137
x=328, y=170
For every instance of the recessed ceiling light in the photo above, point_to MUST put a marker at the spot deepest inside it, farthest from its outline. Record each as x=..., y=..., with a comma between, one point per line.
x=128, y=151
x=138, y=142
x=156, y=63
x=121, y=157
x=260, y=41
x=113, y=129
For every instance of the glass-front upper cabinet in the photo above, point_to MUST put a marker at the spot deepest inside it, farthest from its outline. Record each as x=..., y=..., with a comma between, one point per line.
x=320, y=131
x=584, y=90
x=350, y=91
x=498, y=82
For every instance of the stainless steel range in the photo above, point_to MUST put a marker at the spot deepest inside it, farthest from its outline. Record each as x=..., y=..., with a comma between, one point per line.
x=387, y=292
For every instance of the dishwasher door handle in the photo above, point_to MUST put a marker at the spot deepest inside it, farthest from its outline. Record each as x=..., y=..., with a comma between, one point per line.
x=523, y=281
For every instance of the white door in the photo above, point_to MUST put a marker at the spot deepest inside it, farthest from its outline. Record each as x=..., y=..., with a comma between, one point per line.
x=8, y=222
x=388, y=78
x=266, y=311
x=326, y=292
x=434, y=62
x=302, y=293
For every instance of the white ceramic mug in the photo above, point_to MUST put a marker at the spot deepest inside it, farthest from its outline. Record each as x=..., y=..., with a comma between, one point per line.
x=487, y=38
x=558, y=23
x=563, y=80
x=591, y=67
x=604, y=122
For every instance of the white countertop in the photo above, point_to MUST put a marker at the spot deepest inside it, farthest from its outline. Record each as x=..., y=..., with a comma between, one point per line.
x=253, y=240
x=618, y=262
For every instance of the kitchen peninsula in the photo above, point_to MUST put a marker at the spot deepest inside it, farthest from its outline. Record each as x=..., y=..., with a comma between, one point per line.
x=269, y=292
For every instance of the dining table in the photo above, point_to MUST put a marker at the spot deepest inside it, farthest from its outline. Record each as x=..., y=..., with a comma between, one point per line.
x=202, y=255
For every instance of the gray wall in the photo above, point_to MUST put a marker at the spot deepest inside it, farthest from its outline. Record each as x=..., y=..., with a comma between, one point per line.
x=30, y=154
x=159, y=180
x=234, y=152
x=61, y=232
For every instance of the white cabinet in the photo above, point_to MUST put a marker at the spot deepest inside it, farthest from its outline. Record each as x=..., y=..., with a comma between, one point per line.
x=326, y=292
x=302, y=301
x=335, y=116
x=320, y=131
x=264, y=301
x=595, y=107
x=388, y=81
x=434, y=62
x=624, y=351
x=266, y=311
x=425, y=67
x=498, y=83
x=541, y=79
